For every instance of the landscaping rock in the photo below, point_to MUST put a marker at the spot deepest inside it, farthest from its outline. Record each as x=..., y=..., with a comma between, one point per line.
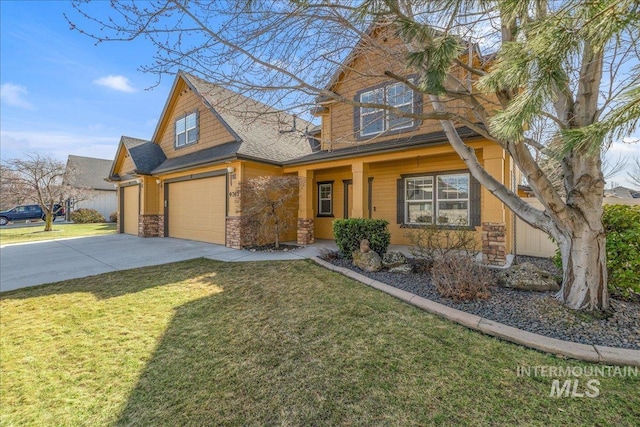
x=528, y=277
x=402, y=269
x=364, y=246
x=367, y=261
x=393, y=259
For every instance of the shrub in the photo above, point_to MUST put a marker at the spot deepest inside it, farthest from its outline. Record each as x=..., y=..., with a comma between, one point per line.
x=622, y=225
x=113, y=217
x=429, y=242
x=86, y=216
x=458, y=276
x=350, y=232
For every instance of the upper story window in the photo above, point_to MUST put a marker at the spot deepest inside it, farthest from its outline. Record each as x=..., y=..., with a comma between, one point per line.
x=187, y=129
x=374, y=120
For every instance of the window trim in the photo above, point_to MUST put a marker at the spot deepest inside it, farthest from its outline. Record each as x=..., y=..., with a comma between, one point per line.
x=184, y=118
x=320, y=185
x=473, y=200
x=416, y=108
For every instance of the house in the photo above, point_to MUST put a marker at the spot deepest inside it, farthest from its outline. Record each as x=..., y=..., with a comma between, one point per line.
x=622, y=193
x=88, y=173
x=360, y=162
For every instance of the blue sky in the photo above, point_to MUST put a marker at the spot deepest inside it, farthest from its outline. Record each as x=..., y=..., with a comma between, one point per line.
x=61, y=94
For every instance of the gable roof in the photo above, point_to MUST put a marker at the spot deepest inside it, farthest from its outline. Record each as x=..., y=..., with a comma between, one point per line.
x=144, y=154
x=260, y=132
x=89, y=172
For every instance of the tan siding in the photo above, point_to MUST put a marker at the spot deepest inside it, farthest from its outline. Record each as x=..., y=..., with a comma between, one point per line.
x=151, y=199
x=211, y=131
x=366, y=72
x=127, y=165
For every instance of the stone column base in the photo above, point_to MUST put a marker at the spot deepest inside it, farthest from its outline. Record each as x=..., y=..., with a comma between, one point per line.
x=149, y=225
x=305, y=231
x=233, y=236
x=494, y=248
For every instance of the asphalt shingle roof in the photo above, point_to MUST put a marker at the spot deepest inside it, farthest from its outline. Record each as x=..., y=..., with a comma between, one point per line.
x=89, y=172
x=146, y=156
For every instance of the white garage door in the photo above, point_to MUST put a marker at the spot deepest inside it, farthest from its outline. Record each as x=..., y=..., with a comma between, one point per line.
x=131, y=209
x=197, y=209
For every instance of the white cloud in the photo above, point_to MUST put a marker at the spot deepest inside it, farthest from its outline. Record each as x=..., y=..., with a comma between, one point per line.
x=59, y=144
x=119, y=83
x=13, y=95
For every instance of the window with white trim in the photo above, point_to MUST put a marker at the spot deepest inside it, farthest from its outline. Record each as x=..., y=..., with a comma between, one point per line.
x=375, y=120
x=438, y=199
x=187, y=129
x=325, y=199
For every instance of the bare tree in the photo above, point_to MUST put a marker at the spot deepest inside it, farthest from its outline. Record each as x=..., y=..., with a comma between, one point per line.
x=570, y=66
x=268, y=208
x=38, y=178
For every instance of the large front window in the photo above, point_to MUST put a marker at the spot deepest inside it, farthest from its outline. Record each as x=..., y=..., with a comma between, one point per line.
x=437, y=199
x=376, y=120
x=187, y=129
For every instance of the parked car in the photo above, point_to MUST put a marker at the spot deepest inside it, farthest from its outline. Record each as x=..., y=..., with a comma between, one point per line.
x=27, y=212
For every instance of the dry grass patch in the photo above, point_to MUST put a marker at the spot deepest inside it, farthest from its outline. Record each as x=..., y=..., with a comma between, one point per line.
x=287, y=343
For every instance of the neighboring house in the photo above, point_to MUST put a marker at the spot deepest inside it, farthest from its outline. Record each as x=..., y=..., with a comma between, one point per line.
x=90, y=173
x=361, y=163
x=622, y=193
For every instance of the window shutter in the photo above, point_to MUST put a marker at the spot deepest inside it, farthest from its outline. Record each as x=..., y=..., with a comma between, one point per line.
x=356, y=117
x=400, y=201
x=197, y=125
x=475, y=202
x=175, y=133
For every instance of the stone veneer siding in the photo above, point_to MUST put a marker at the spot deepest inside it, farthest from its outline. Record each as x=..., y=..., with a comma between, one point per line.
x=151, y=225
x=234, y=238
x=305, y=231
x=494, y=248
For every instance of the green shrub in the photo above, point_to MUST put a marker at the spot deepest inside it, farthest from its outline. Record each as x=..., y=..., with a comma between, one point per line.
x=350, y=232
x=86, y=216
x=622, y=225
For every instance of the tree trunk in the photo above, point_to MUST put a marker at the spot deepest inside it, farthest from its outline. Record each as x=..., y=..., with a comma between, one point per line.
x=584, y=263
x=48, y=222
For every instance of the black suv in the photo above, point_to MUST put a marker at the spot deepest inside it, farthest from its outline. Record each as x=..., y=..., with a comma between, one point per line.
x=27, y=212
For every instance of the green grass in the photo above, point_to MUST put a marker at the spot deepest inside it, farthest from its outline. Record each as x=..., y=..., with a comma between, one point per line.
x=280, y=343
x=60, y=231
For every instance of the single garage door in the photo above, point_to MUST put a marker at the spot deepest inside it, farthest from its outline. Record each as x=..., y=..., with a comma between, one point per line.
x=197, y=209
x=131, y=209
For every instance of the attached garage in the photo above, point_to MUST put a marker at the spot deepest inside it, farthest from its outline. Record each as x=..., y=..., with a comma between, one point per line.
x=130, y=208
x=196, y=209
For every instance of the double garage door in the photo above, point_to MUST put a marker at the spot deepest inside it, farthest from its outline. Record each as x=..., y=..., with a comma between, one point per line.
x=196, y=209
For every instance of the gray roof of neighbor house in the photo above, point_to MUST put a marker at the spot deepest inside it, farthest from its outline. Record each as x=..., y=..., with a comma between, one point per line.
x=260, y=132
x=89, y=172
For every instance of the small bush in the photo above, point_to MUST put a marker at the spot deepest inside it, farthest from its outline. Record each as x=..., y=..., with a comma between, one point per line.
x=459, y=277
x=113, y=217
x=622, y=226
x=432, y=241
x=350, y=232
x=86, y=216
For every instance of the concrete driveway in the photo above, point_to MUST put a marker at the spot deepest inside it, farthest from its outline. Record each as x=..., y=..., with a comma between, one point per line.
x=31, y=264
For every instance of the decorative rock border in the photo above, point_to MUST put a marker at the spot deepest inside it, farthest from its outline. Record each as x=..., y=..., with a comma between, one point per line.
x=589, y=353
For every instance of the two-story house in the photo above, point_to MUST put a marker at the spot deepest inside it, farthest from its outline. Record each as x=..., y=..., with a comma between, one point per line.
x=369, y=163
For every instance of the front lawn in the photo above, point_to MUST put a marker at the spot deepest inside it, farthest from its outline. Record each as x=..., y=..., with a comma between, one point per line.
x=280, y=343
x=60, y=231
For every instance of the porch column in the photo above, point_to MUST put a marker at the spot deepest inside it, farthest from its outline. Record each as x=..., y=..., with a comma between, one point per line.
x=494, y=244
x=360, y=172
x=305, y=208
